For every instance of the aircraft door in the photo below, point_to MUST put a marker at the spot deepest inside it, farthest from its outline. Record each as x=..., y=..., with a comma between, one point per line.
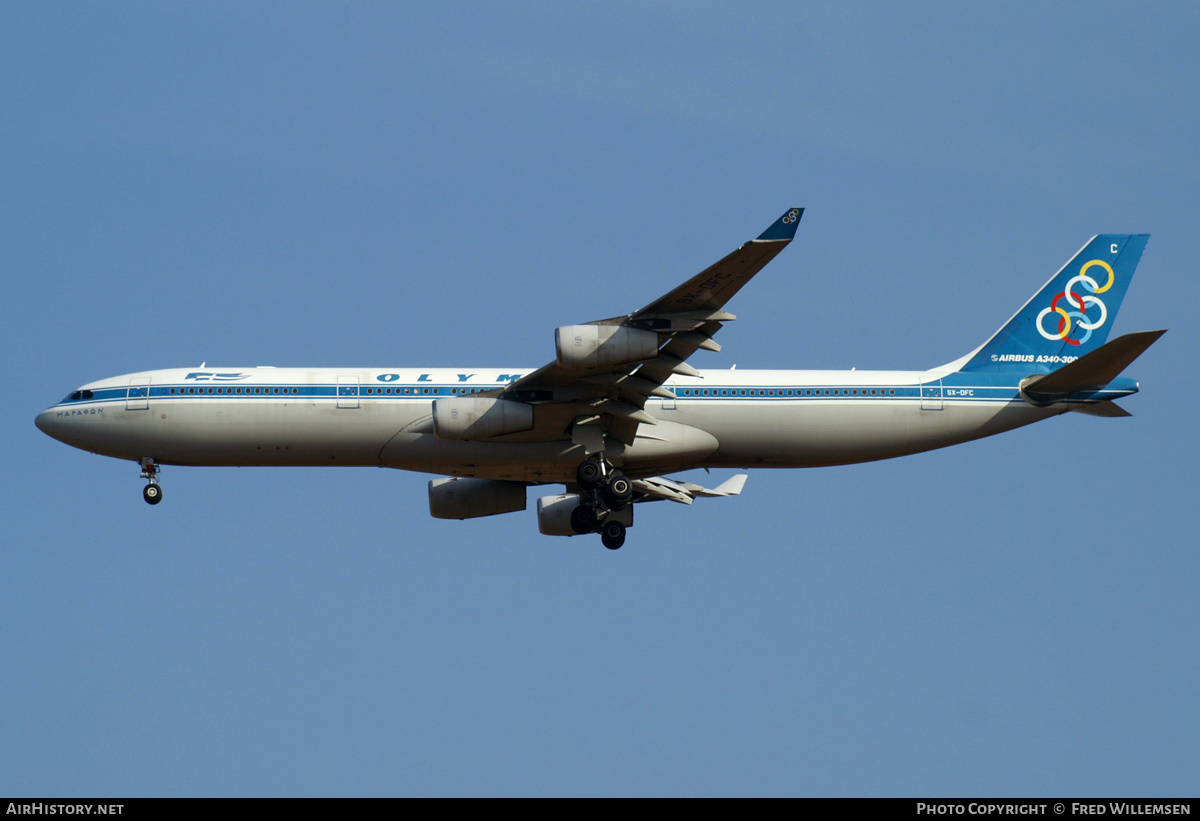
x=669, y=403
x=137, y=397
x=347, y=391
x=931, y=395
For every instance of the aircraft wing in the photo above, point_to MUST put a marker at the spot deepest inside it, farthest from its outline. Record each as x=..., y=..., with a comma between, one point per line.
x=660, y=487
x=626, y=360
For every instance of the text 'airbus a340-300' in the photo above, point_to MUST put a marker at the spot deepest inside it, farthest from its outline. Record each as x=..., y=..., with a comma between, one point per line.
x=620, y=406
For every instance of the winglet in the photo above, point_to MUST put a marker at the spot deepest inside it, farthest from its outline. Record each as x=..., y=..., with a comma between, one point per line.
x=730, y=487
x=784, y=228
x=660, y=487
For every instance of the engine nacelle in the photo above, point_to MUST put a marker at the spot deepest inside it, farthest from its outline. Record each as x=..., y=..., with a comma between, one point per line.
x=554, y=514
x=593, y=346
x=472, y=498
x=479, y=417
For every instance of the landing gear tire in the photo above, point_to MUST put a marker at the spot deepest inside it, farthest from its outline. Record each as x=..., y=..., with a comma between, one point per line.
x=583, y=519
x=152, y=494
x=612, y=534
x=588, y=475
x=619, y=492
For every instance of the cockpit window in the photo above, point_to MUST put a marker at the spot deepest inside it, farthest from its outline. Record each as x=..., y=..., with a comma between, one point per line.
x=77, y=396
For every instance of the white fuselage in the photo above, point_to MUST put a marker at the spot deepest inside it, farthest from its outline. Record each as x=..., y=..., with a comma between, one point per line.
x=381, y=417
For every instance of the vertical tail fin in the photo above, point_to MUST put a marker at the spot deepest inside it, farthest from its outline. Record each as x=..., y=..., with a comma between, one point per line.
x=1071, y=315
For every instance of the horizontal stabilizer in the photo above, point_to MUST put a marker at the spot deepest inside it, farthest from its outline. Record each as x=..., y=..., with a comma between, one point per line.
x=660, y=487
x=1109, y=409
x=1092, y=371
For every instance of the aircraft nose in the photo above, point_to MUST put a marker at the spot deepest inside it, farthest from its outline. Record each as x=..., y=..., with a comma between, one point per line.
x=48, y=424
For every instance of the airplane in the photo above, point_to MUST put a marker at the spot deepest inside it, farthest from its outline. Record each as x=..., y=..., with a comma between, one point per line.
x=620, y=407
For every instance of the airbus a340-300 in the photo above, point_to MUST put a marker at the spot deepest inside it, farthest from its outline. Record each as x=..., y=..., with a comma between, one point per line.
x=620, y=405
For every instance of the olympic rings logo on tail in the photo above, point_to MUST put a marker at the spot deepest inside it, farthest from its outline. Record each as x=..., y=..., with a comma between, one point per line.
x=791, y=216
x=1081, y=304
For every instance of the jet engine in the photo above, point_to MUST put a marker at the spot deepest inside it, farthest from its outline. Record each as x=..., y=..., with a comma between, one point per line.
x=554, y=514
x=593, y=346
x=472, y=498
x=479, y=417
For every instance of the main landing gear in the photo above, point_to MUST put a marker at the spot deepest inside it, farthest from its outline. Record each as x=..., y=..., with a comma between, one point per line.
x=152, y=492
x=603, y=490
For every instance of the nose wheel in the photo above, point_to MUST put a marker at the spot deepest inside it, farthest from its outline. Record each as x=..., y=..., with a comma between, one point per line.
x=152, y=492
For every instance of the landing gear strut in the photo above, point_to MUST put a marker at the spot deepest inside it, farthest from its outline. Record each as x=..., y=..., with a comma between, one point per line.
x=604, y=489
x=152, y=493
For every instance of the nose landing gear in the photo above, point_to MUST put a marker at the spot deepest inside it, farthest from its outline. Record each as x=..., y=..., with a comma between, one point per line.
x=152, y=492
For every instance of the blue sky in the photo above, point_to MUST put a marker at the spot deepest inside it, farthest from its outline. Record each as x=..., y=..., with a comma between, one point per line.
x=442, y=185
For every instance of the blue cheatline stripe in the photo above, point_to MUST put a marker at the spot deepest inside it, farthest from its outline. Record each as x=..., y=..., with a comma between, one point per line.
x=740, y=393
